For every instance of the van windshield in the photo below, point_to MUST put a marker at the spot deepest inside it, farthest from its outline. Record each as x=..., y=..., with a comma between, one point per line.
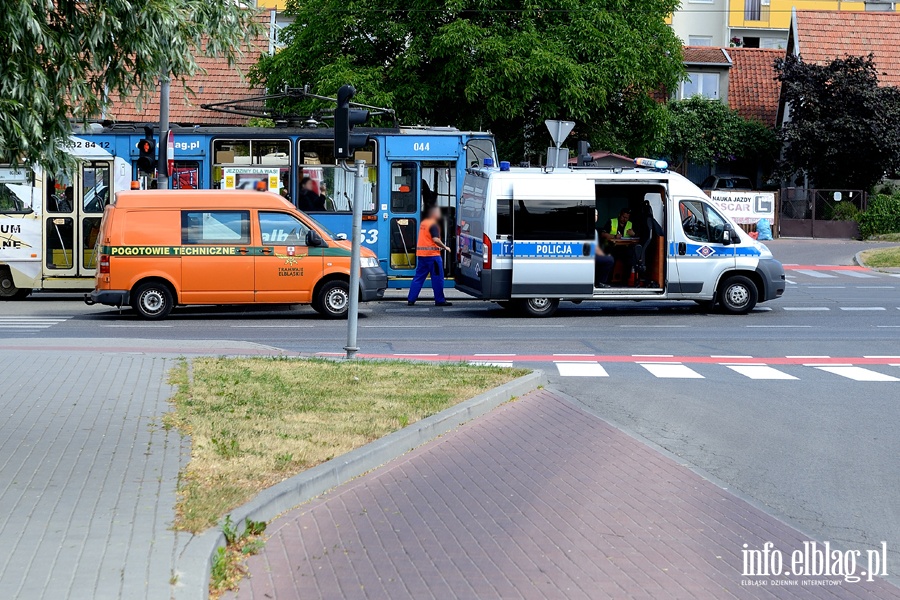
x=319, y=226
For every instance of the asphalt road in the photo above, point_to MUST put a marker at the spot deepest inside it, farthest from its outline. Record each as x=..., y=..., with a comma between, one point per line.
x=795, y=406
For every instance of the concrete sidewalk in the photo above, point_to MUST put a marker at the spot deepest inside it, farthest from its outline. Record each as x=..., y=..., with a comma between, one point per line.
x=538, y=499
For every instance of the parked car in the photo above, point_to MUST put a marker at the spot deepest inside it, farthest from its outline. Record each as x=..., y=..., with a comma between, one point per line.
x=727, y=182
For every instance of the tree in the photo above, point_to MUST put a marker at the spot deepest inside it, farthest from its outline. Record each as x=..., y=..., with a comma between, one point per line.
x=64, y=59
x=503, y=65
x=704, y=131
x=843, y=127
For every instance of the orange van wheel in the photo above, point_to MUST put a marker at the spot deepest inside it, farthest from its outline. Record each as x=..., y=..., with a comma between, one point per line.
x=333, y=299
x=152, y=300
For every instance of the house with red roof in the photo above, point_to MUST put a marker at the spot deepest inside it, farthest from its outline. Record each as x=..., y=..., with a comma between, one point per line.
x=217, y=82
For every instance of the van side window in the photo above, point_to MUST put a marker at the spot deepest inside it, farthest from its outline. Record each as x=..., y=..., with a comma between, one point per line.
x=215, y=227
x=556, y=219
x=701, y=222
x=282, y=228
x=504, y=217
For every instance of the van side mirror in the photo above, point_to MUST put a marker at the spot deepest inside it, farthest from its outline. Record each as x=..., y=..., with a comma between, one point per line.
x=726, y=236
x=313, y=239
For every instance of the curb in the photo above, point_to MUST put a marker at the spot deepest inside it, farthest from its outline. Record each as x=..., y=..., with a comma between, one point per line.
x=857, y=260
x=195, y=562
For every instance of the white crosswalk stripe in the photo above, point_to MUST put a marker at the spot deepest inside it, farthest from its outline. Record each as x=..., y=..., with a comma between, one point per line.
x=26, y=324
x=859, y=274
x=672, y=371
x=816, y=274
x=581, y=369
x=858, y=373
x=760, y=372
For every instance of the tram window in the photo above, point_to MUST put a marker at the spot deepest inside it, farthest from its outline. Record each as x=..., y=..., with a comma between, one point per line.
x=95, y=187
x=317, y=162
x=60, y=196
x=479, y=149
x=10, y=202
x=186, y=175
x=265, y=154
x=60, y=236
x=90, y=230
x=215, y=227
x=556, y=219
x=404, y=187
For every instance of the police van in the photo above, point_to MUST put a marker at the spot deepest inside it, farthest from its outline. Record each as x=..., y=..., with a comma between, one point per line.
x=528, y=239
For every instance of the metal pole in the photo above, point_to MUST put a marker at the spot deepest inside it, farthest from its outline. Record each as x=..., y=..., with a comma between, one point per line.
x=356, y=243
x=162, y=182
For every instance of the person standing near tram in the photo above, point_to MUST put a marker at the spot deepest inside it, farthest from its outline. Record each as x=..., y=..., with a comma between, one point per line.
x=428, y=259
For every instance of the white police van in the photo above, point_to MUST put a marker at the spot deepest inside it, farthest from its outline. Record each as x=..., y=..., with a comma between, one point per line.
x=527, y=240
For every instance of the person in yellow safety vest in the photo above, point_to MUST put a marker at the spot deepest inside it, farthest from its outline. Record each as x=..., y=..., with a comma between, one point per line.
x=428, y=259
x=618, y=229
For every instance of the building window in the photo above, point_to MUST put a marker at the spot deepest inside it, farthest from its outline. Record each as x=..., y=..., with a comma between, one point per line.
x=752, y=10
x=879, y=6
x=699, y=40
x=701, y=84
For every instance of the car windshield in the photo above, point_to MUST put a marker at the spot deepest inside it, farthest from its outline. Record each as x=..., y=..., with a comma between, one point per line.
x=737, y=183
x=320, y=227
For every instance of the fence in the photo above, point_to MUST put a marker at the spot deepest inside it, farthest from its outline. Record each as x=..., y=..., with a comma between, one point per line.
x=820, y=213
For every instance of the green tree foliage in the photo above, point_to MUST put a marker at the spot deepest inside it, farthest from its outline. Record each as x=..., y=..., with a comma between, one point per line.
x=704, y=131
x=843, y=127
x=503, y=65
x=63, y=59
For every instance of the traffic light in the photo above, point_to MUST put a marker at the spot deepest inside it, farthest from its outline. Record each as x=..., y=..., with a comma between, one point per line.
x=147, y=149
x=345, y=118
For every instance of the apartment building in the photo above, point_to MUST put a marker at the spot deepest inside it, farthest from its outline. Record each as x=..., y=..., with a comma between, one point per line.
x=754, y=23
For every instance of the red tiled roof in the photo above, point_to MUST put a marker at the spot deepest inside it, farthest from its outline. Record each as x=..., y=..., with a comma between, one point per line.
x=705, y=55
x=220, y=83
x=826, y=35
x=752, y=89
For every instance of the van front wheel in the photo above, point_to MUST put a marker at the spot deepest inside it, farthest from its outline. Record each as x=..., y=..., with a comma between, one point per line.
x=152, y=300
x=333, y=300
x=539, y=307
x=738, y=295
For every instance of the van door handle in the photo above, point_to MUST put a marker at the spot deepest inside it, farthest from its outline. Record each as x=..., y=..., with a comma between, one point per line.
x=682, y=248
x=267, y=251
x=586, y=250
x=242, y=250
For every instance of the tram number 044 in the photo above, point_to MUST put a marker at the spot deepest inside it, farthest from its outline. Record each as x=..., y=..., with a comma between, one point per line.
x=421, y=147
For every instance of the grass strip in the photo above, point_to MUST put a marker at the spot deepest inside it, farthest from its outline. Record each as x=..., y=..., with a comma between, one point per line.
x=882, y=257
x=254, y=422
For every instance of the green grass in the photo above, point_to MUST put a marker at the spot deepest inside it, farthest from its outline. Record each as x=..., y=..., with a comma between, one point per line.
x=254, y=422
x=886, y=237
x=882, y=257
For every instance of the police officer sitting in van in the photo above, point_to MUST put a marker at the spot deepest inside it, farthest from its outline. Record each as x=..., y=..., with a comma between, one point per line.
x=617, y=229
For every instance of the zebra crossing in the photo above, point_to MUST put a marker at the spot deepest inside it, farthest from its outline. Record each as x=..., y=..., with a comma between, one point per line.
x=18, y=325
x=826, y=274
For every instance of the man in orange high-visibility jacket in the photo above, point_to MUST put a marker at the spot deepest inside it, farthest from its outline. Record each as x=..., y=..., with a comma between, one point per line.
x=428, y=258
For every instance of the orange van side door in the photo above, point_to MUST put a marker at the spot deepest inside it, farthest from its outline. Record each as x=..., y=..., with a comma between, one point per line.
x=285, y=270
x=216, y=257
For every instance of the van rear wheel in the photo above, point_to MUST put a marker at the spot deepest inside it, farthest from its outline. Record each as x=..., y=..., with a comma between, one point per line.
x=333, y=300
x=738, y=295
x=152, y=300
x=539, y=307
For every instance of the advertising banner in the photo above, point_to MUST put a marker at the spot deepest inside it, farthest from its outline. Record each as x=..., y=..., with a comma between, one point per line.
x=745, y=207
x=247, y=178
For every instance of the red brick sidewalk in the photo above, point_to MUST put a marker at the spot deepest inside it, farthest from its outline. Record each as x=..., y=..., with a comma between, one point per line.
x=536, y=500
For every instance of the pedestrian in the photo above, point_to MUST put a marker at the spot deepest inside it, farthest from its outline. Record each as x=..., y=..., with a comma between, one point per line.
x=310, y=200
x=428, y=259
x=603, y=263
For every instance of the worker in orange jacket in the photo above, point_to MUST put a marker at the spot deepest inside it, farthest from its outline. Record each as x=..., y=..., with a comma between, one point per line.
x=428, y=258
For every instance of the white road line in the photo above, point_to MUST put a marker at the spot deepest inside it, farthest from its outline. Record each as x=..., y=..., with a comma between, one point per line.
x=815, y=274
x=759, y=372
x=569, y=354
x=778, y=326
x=144, y=326
x=477, y=363
x=791, y=282
x=806, y=308
x=729, y=356
x=652, y=355
x=892, y=274
x=25, y=326
x=858, y=373
x=887, y=326
x=859, y=275
x=653, y=326
x=672, y=371
x=581, y=369
x=826, y=287
x=876, y=287
x=411, y=354
x=807, y=356
x=403, y=326
x=882, y=356
x=858, y=308
x=490, y=354
x=292, y=326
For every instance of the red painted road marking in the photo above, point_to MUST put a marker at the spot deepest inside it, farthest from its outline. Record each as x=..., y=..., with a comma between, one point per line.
x=714, y=360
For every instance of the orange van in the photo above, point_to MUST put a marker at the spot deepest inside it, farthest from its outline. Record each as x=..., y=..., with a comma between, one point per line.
x=162, y=248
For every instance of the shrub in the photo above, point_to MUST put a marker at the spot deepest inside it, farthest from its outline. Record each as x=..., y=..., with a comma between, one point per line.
x=881, y=216
x=844, y=211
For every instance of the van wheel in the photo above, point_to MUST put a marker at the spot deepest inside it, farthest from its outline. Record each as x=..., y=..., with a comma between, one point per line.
x=333, y=300
x=8, y=289
x=152, y=300
x=738, y=295
x=539, y=307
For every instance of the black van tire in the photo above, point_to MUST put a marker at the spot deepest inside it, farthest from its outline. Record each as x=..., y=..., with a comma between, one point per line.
x=539, y=307
x=333, y=299
x=153, y=300
x=8, y=289
x=738, y=295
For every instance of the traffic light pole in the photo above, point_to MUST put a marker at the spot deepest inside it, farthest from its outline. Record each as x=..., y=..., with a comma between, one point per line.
x=356, y=244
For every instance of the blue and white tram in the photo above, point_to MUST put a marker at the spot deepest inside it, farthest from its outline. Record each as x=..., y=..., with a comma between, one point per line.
x=409, y=168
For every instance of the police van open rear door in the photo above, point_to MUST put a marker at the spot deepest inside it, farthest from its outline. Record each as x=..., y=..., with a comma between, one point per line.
x=553, y=239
